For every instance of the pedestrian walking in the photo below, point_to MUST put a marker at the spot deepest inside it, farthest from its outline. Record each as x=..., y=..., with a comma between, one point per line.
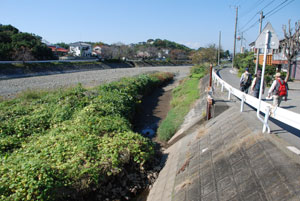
x=255, y=86
x=278, y=90
x=245, y=81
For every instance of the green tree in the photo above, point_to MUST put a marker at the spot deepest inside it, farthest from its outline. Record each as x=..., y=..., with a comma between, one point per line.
x=63, y=45
x=245, y=60
x=16, y=45
x=203, y=55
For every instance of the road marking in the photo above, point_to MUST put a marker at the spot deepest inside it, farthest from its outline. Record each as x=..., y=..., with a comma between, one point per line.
x=294, y=149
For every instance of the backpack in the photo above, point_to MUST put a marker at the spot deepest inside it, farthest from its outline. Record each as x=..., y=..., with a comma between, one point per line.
x=282, y=91
x=247, y=80
x=257, y=84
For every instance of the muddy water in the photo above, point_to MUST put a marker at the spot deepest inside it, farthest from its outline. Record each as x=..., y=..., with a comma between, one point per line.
x=153, y=109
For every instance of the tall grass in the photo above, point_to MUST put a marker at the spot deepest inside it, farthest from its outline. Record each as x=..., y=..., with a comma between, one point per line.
x=183, y=98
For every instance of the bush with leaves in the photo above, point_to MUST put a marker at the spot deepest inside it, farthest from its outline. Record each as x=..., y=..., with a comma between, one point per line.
x=74, y=151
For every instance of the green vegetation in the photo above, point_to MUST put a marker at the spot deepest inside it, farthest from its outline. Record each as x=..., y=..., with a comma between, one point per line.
x=183, y=97
x=67, y=144
x=63, y=45
x=169, y=44
x=246, y=60
x=21, y=46
x=208, y=54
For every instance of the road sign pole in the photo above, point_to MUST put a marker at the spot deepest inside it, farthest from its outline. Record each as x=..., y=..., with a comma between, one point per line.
x=266, y=40
x=262, y=80
x=257, y=53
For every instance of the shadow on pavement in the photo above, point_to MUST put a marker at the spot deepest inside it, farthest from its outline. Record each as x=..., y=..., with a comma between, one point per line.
x=285, y=127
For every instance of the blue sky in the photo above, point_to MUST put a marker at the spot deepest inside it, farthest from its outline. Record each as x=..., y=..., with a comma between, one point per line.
x=191, y=22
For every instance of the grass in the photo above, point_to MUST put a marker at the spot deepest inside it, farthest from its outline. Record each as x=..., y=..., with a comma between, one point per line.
x=183, y=98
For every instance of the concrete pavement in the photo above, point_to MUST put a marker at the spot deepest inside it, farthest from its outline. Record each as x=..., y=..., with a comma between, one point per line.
x=285, y=132
x=228, y=158
x=293, y=102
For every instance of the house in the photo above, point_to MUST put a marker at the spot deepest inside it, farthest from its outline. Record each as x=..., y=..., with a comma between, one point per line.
x=58, y=51
x=261, y=54
x=276, y=58
x=97, y=50
x=143, y=54
x=80, y=49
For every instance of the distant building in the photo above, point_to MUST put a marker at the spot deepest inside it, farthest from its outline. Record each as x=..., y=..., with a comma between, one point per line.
x=97, y=50
x=277, y=58
x=143, y=54
x=80, y=49
x=58, y=51
x=261, y=54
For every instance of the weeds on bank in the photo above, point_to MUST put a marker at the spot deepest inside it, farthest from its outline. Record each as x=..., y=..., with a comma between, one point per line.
x=62, y=144
x=183, y=97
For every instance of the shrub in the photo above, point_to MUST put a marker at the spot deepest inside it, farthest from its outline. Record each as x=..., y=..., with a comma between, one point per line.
x=65, y=144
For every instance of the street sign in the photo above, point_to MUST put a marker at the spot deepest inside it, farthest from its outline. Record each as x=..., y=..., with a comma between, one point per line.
x=273, y=42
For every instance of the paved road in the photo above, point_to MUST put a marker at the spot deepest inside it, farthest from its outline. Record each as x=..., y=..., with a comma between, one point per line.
x=11, y=87
x=293, y=103
x=228, y=158
x=285, y=132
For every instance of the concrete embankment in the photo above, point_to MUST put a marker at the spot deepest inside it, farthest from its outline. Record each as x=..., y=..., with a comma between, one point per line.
x=226, y=158
x=8, y=71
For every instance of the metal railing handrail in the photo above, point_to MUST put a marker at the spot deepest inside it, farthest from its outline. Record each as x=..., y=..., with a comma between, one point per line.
x=285, y=116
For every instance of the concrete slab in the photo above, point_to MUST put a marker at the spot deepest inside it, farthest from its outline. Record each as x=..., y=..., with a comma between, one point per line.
x=228, y=158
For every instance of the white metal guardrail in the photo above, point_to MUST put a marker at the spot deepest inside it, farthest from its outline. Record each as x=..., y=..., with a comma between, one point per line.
x=288, y=117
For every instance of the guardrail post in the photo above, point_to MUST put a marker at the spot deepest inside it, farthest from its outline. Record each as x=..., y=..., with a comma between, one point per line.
x=222, y=88
x=242, y=103
x=229, y=94
x=210, y=74
x=266, y=120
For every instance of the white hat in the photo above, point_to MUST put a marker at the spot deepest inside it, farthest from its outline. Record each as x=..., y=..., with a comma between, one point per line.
x=277, y=74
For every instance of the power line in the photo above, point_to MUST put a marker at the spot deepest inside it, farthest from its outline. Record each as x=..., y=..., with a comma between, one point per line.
x=277, y=7
x=246, y=24
x=249, y=21
x=256, y=4
x=267, y=5
x=255, y=23
x=270, y=14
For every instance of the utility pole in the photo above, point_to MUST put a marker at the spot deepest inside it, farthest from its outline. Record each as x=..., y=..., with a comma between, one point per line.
x=242, y=37
x=257, y=53
x=219, y=50
x=234, y=41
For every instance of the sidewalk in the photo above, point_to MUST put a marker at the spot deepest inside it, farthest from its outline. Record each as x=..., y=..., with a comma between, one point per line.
x=285, y=132
x=292, y=104
x=228, y=158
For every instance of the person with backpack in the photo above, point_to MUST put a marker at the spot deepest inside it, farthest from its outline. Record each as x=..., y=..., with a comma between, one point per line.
x=278, y=89
x=255, y=86
x=245, y=81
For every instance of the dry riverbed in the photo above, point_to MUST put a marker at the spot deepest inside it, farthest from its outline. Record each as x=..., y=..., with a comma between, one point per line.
x=11, y=87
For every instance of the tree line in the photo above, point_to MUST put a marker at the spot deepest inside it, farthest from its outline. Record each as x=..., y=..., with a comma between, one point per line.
x=22, y=46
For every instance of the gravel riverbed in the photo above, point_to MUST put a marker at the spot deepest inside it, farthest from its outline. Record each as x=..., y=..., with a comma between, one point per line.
x=9, y=88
